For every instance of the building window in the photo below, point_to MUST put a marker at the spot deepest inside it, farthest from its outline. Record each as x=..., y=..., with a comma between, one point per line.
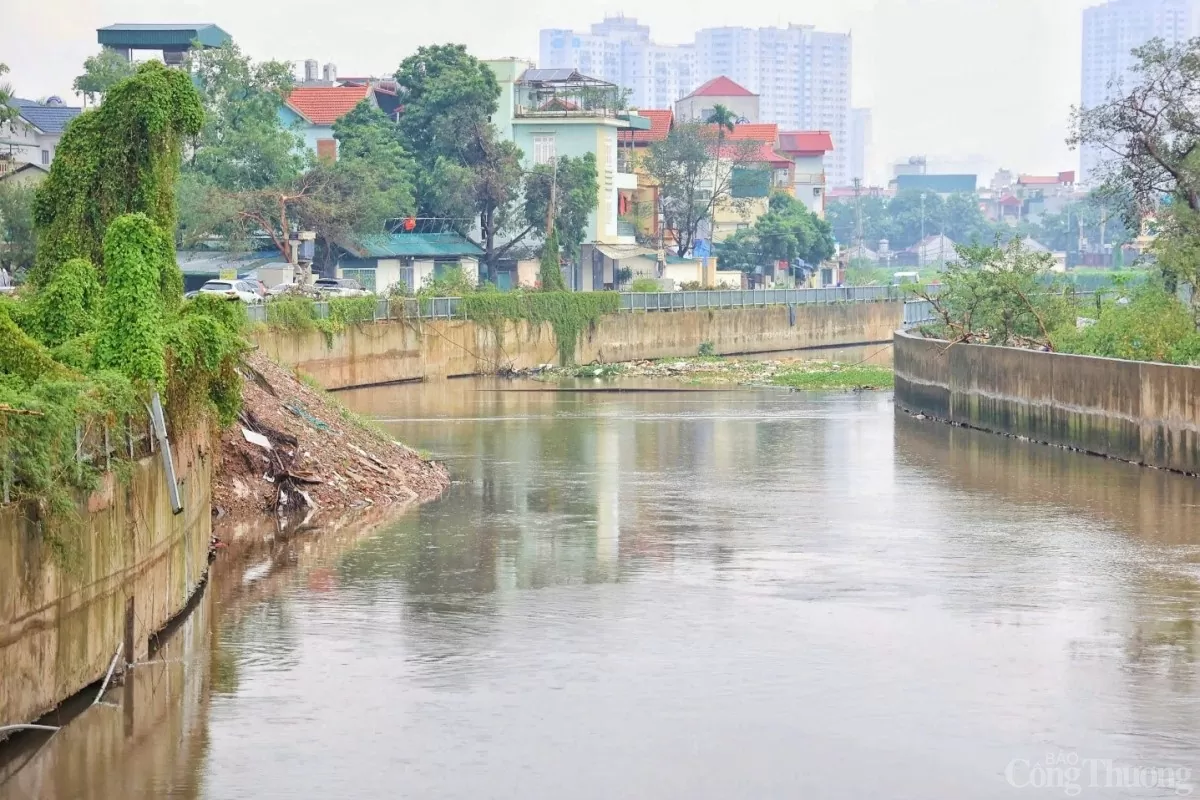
x=816, y=192
x=45, y=156
x=327, y=149
x=543, y=148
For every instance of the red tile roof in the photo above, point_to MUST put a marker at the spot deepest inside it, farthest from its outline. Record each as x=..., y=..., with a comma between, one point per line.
x=661, y=123
x=800, y=142
x=764, y=154
x=721, y=87
x=754, y=131
x=325, y=105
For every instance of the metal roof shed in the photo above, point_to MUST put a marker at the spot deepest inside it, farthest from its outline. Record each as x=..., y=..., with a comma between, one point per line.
x=169, y=38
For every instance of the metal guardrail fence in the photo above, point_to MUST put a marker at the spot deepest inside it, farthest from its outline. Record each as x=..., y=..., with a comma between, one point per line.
x=447, y=307
x=916, y=313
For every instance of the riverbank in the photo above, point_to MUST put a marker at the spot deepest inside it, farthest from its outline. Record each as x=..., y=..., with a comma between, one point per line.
x=796, y=373
x=297, y=449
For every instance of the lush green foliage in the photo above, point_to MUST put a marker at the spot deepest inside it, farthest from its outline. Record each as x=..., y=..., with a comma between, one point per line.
x=999, y=296
x=242, y=145
x=132, y=312
x=371, y=152
x=550, y=270
x=576, y=193
x=8, y=113
x=121, y=158
x=451, y=283
x=18, y=242
x=101, y=72
x=644, y=285
x=570, y=314
x=1147, y=324
x=65, y=308
x=788, y=231
x=203, y=345
x=833, y=376
x=898, y=219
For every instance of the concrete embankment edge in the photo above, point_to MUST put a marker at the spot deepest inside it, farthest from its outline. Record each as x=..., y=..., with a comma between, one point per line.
x=413, y=350
x=62, y=612
x=1132, y=410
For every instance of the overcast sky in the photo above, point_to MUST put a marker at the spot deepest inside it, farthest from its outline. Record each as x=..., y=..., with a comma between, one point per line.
x=970, y=83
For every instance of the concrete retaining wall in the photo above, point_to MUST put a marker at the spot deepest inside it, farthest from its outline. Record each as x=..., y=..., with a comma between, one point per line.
x=401, y=350
x=1140, y=412
x=62, y=614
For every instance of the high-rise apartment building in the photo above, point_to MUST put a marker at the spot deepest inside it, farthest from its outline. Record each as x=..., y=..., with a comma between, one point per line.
x=1110, y=33
x=619, y=50
x=801, y=75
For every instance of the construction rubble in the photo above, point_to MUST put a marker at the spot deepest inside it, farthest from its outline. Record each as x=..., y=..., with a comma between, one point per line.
x=295, y=449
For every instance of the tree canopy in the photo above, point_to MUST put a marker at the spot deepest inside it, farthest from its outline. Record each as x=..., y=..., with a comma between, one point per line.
x=787, y=232
x=695, y=177
x=101, y=72
x=7, y=112
x=121, y=158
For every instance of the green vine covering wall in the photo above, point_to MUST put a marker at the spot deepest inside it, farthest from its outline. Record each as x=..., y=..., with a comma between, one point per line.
x=123, y=157
x=569, y=313
x=131, y=315
x=66, y=306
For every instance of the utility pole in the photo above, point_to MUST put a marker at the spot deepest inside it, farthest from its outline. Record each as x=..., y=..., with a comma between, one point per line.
x=858, y=221
x=921, y=244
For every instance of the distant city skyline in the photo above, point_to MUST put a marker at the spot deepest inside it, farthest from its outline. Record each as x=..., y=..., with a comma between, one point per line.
x=802, y=75
x=952, y=79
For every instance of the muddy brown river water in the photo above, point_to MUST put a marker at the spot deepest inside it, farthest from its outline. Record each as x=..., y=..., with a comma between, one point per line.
x=735, y=594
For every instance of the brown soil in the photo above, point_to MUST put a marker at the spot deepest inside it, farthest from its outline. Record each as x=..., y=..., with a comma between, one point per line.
x=320, y=456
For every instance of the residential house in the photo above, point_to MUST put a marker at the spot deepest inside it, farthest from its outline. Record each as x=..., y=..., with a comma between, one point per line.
x=807, y=150
x=934, y=251
x=698, y=106
x=33, y=136
x=761, y=169
x=1045, y=194
x=380, y=262
x=312, y=110
x=15, y=173
x=639, y=207
x=550, y=113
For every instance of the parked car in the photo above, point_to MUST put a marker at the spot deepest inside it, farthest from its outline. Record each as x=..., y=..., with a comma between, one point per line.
x=340, y=287
x=241, y=290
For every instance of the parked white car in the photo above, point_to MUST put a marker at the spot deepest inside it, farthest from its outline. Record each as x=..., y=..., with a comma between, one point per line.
x=242, y=290
x=340, y=287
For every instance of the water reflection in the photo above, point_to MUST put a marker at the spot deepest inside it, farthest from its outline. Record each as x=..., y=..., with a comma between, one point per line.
x=703, y=595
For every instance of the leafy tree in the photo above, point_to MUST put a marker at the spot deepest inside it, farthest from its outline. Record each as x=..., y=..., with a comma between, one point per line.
x=575, y=188
x=7, y=112
x=243, y=146
x=787, y=232
x=120, y=158
x=101, y=72
x=695, y=177
x=372, y=156
x=467, y=173
x=18, y=243
x=999, y=296
x=1151, y=132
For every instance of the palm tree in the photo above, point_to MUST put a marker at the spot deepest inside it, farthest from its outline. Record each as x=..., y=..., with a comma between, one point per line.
x=724, y=119
x=8, y=112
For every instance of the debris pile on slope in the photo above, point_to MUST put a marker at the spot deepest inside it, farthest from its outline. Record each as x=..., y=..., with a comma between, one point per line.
x=297, y=449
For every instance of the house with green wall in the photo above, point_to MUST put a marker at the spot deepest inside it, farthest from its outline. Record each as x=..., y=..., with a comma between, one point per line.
x=550, y=113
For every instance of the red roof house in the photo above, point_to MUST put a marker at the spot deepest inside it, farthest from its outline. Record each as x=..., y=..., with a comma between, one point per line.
x=721, y=87
x=325, y=105
x=805, y=143
x=661, y=123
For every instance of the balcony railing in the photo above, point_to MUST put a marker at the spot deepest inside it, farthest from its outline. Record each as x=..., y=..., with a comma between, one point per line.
x=810, y=178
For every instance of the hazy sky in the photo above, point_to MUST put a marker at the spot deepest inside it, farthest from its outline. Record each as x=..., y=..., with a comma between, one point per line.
x=962, y=81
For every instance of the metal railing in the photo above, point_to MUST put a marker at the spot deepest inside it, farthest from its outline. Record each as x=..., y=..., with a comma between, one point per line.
x=447, y=307
x=917, y=313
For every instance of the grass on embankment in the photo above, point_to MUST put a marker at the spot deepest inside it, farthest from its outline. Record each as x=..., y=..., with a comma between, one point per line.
x=824, y=375
x=718, y=371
